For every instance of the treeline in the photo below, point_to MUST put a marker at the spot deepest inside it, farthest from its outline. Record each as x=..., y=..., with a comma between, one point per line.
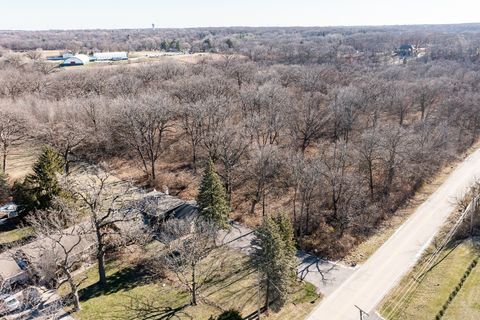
x=269, y=45
x=339, y=147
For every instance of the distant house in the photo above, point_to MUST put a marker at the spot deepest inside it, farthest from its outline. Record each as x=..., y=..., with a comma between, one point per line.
x=110, y=56
x=406, y=50
x=76, y=60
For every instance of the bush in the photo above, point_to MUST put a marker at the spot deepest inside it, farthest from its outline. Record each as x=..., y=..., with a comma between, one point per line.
x=230, y=315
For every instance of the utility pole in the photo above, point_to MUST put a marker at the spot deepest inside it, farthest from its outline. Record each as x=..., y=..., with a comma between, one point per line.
x=363, y=315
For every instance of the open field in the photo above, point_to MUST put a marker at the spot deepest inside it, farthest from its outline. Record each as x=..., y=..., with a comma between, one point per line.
x=234, y=287
x=20, y=161
x=427, y=300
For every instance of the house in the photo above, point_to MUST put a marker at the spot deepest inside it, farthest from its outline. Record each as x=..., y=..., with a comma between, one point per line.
x=406, y=50
x=110, y=56
x=158, y=206
x=76, y=60
x=21, y=264
x=11, y=270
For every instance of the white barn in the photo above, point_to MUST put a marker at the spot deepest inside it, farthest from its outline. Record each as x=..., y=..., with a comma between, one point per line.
x=114, y=56
x=77, y=60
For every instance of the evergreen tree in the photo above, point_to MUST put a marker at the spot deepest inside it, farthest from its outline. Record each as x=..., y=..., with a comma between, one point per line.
x=39, y=188
x=230, y=315
x=274, y=258
x=212, y=199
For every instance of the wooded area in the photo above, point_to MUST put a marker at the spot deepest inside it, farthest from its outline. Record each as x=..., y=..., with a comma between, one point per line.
x=317, y=122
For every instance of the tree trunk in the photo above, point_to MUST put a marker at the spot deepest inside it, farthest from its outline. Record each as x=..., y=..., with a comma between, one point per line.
x=67, y=163
x=194, y=286
x=295, y=209
x=370, y=179
x=74, y=290
x=267, y=296
x=153, y=173
x=101, y=269
x=4, y=162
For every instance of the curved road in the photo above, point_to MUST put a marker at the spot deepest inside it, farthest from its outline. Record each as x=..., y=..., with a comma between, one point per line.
x=373, y=280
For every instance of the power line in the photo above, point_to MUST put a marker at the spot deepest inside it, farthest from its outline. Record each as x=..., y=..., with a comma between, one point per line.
x=429, y=263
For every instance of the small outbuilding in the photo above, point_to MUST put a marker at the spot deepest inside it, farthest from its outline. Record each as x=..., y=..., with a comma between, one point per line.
x=76, y=60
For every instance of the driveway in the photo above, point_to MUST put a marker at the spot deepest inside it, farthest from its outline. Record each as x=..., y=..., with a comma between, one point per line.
x=325, y=275
x=378, y=275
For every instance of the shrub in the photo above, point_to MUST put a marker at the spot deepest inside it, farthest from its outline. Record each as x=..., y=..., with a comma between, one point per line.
x=230, y=315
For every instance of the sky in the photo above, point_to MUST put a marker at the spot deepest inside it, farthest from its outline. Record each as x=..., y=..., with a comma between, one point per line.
x=109, y=14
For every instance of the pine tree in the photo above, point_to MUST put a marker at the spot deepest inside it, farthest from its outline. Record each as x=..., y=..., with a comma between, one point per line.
x=274, y=258
x=212, y=199
x=38, y=189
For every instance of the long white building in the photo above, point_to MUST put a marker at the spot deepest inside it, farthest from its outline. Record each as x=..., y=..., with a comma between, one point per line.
x=114, y=56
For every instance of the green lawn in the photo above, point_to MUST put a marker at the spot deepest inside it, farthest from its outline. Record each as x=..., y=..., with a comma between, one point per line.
x=15, y=235
x=466, y=305
x=427, y=299
x=132, y=288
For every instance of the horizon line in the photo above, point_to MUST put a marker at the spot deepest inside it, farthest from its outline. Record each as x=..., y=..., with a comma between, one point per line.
x=245, y=26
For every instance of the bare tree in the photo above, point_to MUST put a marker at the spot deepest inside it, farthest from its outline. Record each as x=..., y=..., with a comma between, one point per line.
x=64, y=243
x=114, y=218
x=66, y=135
x=307, y=120
x=13, y=130
x=369, y=156
x=189, y=241
x=144, y=124
x=261, y=173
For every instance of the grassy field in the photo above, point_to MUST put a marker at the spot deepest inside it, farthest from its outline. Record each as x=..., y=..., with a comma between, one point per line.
x=15, y=235
x=234, y=286
x=431, y=293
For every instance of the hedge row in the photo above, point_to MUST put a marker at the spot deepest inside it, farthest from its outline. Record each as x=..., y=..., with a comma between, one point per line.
x=455, y=291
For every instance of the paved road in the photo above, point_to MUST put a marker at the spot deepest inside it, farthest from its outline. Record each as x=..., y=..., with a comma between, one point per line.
x=372, y=281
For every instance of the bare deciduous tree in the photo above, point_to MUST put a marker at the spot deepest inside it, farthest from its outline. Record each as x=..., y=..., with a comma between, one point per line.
x=143, y=126
x=114, y=218
x=189, y=241
x=13, y=130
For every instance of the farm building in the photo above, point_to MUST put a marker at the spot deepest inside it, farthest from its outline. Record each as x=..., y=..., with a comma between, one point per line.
x=112, y=56
x=76, y=60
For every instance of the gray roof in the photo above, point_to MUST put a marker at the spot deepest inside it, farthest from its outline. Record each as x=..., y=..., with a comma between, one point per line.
x=158, y=204
x=9, y=267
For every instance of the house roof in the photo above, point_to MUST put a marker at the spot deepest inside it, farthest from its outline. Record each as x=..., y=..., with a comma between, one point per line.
x=8, y=266
x=158, y=204
x=68, y=239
